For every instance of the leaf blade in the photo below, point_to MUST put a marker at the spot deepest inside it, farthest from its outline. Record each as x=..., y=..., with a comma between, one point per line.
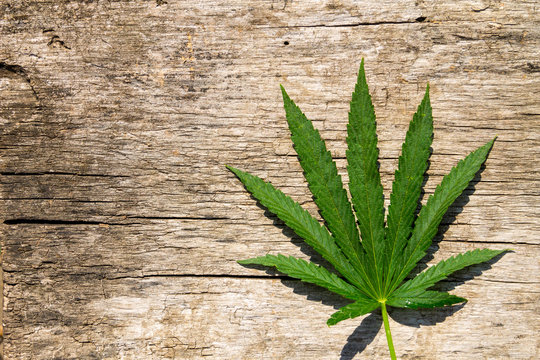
x=302, y=223
x=430, y=216
x=308, y=272
x=364, y=178
x=440, y=271
x=425, y=300
x=358, y=308
x=325, y=184
x=407, y=184
x=322, y=177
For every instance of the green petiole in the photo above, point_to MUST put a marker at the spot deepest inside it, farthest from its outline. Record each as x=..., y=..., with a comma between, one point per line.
x=387, y=331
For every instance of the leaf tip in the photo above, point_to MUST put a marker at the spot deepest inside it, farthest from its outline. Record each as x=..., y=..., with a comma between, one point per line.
x=361, y=78
x=283, y=92
x=232, y=169
x=489, y=145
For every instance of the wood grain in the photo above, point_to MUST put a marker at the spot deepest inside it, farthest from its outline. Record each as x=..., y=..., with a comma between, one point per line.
x=122, y=227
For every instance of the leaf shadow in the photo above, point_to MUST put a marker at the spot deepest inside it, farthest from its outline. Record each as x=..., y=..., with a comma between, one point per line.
x=310, y=291
x=422, y=317
x=362, y=336
x=307, y=250
x=315, y=293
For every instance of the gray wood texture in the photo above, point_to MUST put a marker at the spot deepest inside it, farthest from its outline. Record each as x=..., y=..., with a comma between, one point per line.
x=121, y=226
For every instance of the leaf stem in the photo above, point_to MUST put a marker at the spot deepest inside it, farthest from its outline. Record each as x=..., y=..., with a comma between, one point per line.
x=387, y=331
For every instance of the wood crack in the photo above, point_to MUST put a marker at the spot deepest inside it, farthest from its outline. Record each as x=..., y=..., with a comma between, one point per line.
x=24, y=221
x=37, y=221
x=211, y=218
x=215, y=276
x=490, y=242
x=59, y=173
x=358, y=24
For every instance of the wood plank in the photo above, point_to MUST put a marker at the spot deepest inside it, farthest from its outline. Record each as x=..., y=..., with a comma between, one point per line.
x=167, y=317
x=122, y=226
x=188, y=248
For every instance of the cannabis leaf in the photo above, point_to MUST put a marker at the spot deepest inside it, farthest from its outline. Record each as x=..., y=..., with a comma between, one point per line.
x=372, y=258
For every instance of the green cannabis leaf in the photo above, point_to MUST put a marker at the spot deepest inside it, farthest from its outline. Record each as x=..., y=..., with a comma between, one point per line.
x=372, y=258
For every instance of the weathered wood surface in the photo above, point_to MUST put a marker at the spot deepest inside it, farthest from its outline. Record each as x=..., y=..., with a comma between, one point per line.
x=122, y=226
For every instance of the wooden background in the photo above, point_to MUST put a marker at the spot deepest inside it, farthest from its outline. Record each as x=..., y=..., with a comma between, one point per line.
x=121, y=225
